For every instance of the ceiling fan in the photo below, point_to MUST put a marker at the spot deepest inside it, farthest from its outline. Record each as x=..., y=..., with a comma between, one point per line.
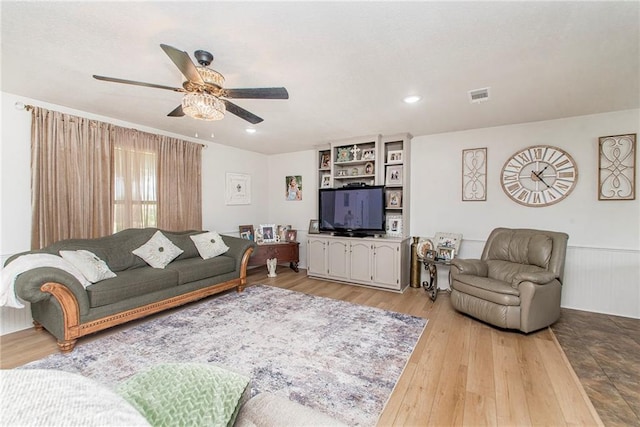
x=205, y=97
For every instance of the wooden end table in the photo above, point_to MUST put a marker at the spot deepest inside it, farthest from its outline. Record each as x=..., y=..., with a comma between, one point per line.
x=283, y=251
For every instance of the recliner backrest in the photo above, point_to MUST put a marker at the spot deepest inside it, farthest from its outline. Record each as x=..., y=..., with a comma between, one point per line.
x=542, y=248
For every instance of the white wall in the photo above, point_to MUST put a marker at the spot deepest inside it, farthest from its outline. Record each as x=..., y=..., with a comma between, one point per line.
x=603, y=261
x=15, y=196
x=297, y=212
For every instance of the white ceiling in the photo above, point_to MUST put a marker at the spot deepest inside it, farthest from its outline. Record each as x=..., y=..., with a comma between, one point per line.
x=346, y=65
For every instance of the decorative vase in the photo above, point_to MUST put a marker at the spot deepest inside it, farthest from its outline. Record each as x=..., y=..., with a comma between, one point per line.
x=414, y=279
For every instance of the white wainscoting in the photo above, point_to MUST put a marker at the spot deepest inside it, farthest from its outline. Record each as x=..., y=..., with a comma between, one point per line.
x=14, y=319
x=602, y=280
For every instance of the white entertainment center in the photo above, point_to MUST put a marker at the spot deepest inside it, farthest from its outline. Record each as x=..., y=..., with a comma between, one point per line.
x=380, y=261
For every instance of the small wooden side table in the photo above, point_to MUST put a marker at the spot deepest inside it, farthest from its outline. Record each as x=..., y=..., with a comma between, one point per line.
x=283, y=251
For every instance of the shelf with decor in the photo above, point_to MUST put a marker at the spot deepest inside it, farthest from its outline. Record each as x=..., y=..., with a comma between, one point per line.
x=354, y=160
x=395, y=155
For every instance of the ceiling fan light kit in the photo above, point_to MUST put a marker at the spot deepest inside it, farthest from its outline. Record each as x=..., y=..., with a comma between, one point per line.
x=204, y=96
x=202, y=106
x=211, y=77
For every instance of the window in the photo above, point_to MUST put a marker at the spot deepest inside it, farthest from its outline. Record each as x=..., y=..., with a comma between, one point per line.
x=135, y=178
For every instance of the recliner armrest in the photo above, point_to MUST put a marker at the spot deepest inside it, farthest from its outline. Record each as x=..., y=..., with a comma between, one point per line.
x=474, y=267
x=537, y=277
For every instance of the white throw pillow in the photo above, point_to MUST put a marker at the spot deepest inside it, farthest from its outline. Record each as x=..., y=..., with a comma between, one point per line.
x=89, y=264
x=158, y=251
x=209, y=244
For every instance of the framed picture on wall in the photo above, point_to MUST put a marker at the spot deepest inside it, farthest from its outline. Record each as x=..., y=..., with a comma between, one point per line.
x=238, y=189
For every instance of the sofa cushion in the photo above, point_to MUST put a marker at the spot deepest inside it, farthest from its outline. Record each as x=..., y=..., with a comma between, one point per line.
x=92, y=268
x=190, y=270
x=209, y=244
x=130, y=283
x=186, y=394
x=158, y=251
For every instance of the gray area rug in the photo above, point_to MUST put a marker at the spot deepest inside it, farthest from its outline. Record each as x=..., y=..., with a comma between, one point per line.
x=340, y=358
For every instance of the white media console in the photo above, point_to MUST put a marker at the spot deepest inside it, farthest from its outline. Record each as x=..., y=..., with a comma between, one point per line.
x=380, y=262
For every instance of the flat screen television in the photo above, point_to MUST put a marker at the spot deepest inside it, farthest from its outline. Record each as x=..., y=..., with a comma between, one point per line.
x=352, y=211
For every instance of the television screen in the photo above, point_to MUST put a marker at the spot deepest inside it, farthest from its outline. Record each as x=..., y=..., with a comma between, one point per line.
x=352, y=210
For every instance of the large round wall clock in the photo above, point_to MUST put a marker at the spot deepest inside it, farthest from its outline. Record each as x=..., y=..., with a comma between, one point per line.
x=539, y=176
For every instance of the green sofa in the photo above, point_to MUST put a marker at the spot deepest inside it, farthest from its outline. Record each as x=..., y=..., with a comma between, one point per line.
x=61, y=304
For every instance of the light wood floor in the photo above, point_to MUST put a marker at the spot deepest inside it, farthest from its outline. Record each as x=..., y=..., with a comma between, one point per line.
x=462, y=371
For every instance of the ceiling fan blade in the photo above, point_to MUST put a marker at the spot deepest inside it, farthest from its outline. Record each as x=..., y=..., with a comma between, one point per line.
x=241, y=112
x=258, y=93
x=132, y=82
x=177, y=112
x=184, y=63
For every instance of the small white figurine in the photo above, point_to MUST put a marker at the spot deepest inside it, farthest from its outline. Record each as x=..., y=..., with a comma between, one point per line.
x=271, y=266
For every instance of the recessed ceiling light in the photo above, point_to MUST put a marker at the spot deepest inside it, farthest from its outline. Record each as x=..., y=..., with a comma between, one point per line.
x=412, y=99
x=250, y=130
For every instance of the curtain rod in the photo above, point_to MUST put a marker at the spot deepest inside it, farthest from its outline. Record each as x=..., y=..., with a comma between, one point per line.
x=28, y=107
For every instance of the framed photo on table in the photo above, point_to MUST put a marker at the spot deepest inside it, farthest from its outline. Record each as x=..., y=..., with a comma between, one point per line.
x=448, y=241
x=268, y=232
x=314, y=226
x=446, y=254
x=246, y=232
x=291, y=236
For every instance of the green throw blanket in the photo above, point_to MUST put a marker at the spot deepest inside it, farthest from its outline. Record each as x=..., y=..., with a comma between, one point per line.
x=188, y=394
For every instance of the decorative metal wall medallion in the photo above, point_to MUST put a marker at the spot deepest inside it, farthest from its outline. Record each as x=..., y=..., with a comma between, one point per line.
x=474, y=175
x=617, y=167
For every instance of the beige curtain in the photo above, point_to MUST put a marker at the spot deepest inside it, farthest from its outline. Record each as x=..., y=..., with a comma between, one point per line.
x=179, y=185
x=70, y=177
x=90, y=179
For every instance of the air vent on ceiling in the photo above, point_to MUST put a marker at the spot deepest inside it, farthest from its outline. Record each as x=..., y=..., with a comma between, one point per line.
x=479, y=95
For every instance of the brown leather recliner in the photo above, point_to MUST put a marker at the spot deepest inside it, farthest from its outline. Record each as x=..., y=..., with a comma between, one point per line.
x=517, y=282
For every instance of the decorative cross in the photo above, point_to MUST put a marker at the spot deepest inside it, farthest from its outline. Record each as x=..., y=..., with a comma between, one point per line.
x=354, y=151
